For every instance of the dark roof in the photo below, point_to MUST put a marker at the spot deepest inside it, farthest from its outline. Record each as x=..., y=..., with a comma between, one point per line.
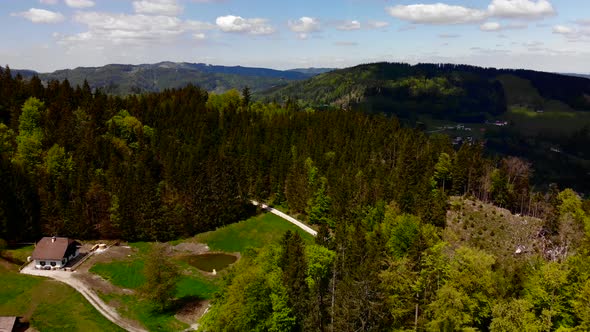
x=53, y=248
x=7, y=323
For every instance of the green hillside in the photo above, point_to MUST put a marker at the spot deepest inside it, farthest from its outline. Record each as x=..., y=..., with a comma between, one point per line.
x=542, y=112
x=453, y=92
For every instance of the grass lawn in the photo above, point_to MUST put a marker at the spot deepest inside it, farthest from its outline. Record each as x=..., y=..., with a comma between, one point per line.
x=48, y=305
x=255, y=232
x=18, y=255
x=128, y=273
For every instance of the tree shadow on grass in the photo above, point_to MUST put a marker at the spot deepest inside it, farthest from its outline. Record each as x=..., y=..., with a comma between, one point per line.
x=178, y=305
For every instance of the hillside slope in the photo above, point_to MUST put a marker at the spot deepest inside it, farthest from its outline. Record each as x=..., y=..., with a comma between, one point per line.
x=451, y=92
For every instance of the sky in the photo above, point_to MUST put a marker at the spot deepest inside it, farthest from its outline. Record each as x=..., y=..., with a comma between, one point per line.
x=46, y=35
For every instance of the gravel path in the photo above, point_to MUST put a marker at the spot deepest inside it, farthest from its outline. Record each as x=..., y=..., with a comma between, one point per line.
x=70, y=279
x=286, y=217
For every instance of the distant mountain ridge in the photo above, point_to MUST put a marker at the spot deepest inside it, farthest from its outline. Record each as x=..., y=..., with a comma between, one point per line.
x=124, y=79
x=446, y=91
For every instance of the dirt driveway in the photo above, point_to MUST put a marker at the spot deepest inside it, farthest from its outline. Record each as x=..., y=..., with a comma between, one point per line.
x=71, y=279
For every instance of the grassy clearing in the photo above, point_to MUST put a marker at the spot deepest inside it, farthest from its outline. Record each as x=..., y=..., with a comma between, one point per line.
x=131, y=307
x=128, y=273
x=48, y=305
x=531, y=122
x=255, y=232
x=18, y=255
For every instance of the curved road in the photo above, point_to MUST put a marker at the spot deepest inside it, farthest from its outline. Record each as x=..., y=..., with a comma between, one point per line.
x=70, y=279
x=286, y=217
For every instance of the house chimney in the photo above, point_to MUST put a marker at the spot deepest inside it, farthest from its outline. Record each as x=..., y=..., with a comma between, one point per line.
x=53, y=239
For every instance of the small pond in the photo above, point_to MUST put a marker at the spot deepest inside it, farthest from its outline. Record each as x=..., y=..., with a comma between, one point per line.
x=208, y=262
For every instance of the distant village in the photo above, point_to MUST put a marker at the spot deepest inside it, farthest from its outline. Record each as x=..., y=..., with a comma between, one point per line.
x=458, y=140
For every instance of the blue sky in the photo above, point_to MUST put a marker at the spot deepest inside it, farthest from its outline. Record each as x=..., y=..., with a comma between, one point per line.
x=45, y=35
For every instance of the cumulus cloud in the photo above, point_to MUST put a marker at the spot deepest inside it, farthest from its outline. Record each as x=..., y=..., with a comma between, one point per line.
x=199, y=36
x=529, y=9
x=254, y=26
x=490, y=26
x=562, y=30
x=80, y=3
x=304, y=26
x=377, y=24
x=157, y=7
x=441, y=13
x=137, y=29
x=495, y=26
x=37, y=15
x=349, y=25
x=192, y=25
x=438, y=13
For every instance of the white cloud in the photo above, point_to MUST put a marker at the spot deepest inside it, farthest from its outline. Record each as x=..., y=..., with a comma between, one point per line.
x=304, y=26
x=37, y=15
x=495, y=26
x=349, y=25
x=530, y=9
x=254, y=26
x=157, y=7
x=490, y=26
x=562, y=30
x=377, y=24
x=198, y=25
x=138, y=29
x=199, y=36
x=80, y=3
x=438, y=13
x=49, y=2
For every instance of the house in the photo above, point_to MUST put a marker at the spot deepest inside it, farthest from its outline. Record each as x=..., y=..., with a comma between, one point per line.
x=54, y=252
x=7, y=323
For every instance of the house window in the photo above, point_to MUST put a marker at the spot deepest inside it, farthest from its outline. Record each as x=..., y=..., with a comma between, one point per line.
x=52, y=263
x=42, y=263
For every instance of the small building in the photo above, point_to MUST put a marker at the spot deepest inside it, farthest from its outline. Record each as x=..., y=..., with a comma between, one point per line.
x=7, y=323
x=54, y=252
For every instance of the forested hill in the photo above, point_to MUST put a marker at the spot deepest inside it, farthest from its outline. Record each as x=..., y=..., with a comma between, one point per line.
x=454, y=92
x=408, y=238
x=123, y=79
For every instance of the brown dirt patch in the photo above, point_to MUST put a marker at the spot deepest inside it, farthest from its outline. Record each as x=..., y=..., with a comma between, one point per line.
x=98, y=284
x=192, y=311
x=191, y=247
